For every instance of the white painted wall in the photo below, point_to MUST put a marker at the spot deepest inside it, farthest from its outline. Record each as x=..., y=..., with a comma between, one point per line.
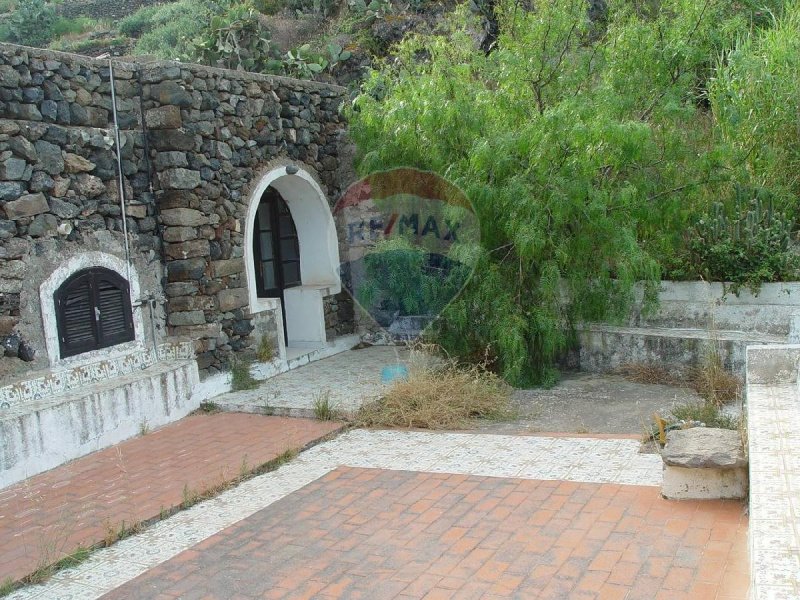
x=49, y=436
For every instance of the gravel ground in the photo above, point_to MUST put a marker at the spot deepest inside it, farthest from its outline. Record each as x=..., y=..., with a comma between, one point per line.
x=591, y=403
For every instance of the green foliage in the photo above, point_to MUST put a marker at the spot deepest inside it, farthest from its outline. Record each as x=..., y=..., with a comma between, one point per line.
x=82, y=45
x=266, y=350
x=372, y=8
x=168, y=31
x=586, y=157
x=746, y=243
x=32, y=23
x=143, y=20
x=74, y=26
x=241, y=379
x=319, y=7
x=756, y=99
x=235, y=39
x=704, y=412
x=269, y=7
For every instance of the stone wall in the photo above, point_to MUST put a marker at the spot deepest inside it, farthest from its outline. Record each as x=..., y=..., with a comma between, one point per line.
x=102, y=9
x=193, y=142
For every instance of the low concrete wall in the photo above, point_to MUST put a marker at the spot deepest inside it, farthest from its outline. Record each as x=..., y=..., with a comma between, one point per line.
x=692, y=319
x=605, y=348
x=702, y=305
x=773, y=414
x=51, y=432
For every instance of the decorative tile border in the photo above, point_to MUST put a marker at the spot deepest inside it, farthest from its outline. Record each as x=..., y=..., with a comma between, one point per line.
x=58, y=381
x=773, y=414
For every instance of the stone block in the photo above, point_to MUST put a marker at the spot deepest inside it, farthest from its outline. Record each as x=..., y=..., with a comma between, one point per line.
x=74, y=163
x=224, y=268
x=190, y=317
x=11, y=190
x=24, y=148
x=64, y=210
x=167, y=160
x=186, y=270
x=231, y=299
x=171, y=139
x=180, y=179
x=12, y=169
x=43, y=225
x=193, y=332
x=704, y=463
x=704, y=448
x=183, y=217
x=177, y=199
x=26, y=206
x=190, y=303
x=188, y=249
x=137, y=211
x=163, y=117
x=181, y=288
x=170, y=92
x=682, y=483
x=179, y=234
x=7, y=325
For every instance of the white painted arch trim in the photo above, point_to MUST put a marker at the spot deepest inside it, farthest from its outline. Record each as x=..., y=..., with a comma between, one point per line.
x=87, y=260
x=316, y=232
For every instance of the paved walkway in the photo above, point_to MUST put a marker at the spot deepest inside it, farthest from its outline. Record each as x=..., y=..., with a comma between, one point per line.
x=387, y=514
x=374, y=534
x=347, y=379
x=87, y=500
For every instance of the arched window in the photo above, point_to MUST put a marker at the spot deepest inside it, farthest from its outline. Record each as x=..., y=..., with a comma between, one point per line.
x=93, y=311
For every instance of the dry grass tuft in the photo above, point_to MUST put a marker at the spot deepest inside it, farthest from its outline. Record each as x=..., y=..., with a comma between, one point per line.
x=440, y=396
x=714, y=383
x=650, y=373
x=710, y=380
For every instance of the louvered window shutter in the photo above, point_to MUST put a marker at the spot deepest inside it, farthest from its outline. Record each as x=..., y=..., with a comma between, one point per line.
x=93, y=311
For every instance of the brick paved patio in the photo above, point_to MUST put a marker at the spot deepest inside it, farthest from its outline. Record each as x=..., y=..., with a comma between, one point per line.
x=49, y=515
x=374, y=533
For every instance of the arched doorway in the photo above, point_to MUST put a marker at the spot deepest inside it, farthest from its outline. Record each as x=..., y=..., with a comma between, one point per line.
x=291, y=255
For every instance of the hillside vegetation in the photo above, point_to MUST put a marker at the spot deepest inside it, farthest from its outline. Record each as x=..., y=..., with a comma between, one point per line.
x=601, y=143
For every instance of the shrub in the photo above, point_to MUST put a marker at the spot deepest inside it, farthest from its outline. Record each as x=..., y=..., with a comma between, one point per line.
x=755, y=95
x=74, y=26
x=234, y=39
x=144, y=19
x=585, y=156
x=174, y=26
x=32, y=23
x=745, y=242
x=241, y=379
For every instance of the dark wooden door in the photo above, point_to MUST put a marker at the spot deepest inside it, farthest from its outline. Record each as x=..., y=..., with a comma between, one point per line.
x=276, y=250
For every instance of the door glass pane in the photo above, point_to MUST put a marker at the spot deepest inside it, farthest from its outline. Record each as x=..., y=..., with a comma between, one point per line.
x=266, y=247
x=268, y=274
x=264, y=221
x=289, y=249
x=291, y=273
x=287, y=225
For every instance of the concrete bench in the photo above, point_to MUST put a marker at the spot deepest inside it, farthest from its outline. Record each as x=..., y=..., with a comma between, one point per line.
x=704, y=463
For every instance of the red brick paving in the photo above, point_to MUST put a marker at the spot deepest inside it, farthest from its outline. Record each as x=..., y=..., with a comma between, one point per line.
x=49, y=515
x=375, y=534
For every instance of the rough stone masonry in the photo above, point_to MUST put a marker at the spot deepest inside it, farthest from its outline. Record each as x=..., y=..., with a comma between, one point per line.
x=193, y=141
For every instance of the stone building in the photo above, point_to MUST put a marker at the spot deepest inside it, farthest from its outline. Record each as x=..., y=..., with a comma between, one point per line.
x=179, y=217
